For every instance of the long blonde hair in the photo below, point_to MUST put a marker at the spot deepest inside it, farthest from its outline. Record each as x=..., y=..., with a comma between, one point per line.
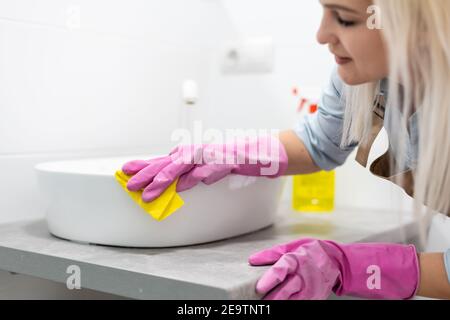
x=416, y=34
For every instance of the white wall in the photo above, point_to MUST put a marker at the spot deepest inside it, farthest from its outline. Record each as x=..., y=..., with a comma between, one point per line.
x=301, y=62
x=77, y=79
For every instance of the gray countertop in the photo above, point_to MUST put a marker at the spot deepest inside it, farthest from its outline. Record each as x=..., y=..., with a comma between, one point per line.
x=217, y=270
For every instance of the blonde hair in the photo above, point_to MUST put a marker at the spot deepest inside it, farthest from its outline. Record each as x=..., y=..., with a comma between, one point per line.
x=416, y=34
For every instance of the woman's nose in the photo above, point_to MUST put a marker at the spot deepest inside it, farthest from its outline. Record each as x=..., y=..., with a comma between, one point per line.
x=325, y=34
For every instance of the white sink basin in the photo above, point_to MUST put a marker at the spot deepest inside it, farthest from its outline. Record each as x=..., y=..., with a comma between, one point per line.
x=86, y=204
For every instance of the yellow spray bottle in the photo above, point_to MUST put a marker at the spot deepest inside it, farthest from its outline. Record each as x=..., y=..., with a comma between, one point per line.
x=313, y=193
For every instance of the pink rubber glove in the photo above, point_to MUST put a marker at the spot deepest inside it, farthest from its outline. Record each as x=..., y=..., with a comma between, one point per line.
x=207, y=163
x=309, y=269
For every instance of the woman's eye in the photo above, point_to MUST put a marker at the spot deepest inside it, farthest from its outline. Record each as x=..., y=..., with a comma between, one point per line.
x=344, y=23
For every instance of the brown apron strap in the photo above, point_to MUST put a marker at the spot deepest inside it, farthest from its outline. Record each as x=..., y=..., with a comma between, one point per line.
x=362, y=155
x=385, y=167
x=382, y=166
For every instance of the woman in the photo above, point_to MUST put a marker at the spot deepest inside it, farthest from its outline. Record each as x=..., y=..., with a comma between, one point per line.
x=405, y=68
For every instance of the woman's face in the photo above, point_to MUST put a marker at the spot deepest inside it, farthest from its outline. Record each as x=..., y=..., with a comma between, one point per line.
x=359, y=50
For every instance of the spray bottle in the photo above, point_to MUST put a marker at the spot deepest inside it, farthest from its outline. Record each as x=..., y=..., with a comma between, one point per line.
x=312, y=193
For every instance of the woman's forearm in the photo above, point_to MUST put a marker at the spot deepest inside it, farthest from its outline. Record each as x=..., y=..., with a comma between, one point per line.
x=300, y=161
x=433, y=276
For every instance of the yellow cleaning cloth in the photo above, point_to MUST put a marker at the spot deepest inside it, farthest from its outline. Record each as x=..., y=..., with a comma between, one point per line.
x=160, y=208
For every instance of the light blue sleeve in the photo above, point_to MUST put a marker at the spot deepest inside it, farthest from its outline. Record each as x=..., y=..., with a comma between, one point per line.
x=447, y=263
x=321, y=132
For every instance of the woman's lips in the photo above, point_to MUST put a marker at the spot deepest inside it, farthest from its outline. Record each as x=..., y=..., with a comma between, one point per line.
x=341, y=60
